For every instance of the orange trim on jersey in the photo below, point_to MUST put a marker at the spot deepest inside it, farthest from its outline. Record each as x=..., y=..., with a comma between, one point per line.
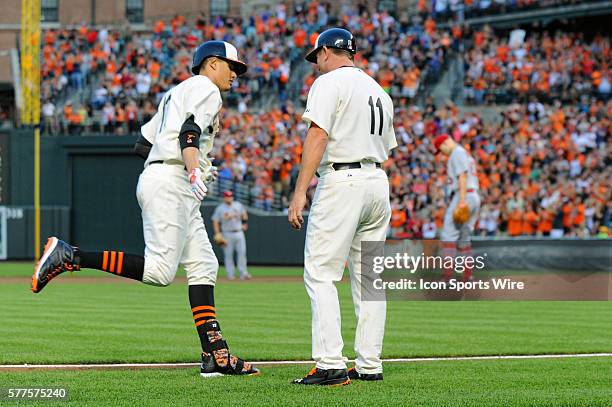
x=105, y=261
x=120, y=263
x=112, y=261
x=203, y=308
x=204, y=314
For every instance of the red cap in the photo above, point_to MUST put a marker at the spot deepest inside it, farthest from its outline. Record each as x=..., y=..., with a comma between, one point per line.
x=439, y=140
x=228, y=194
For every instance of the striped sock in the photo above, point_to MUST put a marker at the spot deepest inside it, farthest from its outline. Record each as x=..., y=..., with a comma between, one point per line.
x=114, y=262
x=202, y=301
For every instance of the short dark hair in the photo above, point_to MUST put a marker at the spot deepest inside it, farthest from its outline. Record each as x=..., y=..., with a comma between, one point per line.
x=343, y=52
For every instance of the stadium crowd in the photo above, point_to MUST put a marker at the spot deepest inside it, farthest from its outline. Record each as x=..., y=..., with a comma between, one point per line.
x=461, y=9
x=502, y=69
x=542, y=167
x=402, y=54
x=123, y=74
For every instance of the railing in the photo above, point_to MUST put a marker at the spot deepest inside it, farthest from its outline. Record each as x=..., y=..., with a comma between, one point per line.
x=251, y=194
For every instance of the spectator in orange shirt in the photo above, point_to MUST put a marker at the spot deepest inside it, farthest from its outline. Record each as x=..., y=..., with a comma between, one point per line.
x=398, y=218
x=515, y=223
x=545, y=224
x=530, y=221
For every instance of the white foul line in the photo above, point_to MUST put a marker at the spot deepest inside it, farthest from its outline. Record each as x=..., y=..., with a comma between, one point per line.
x=104, y=366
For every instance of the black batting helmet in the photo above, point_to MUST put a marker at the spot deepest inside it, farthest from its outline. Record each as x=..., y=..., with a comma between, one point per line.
x=333, y=38
x=220, y=49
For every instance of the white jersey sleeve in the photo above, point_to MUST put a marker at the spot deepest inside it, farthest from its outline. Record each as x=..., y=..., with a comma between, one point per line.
x=203, y=104
x=149, y=129
x=196, y=96
x=322, y=104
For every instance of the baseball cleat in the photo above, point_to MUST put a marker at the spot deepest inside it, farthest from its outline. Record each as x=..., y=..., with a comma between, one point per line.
x=216, y=358
x=353, y=374
x=236, y=366
x=325, y=377
x=58, y=257
x=246, y=276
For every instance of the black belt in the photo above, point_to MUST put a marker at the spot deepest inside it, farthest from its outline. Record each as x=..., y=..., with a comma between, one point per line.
x=162, y=162
x=347, y=166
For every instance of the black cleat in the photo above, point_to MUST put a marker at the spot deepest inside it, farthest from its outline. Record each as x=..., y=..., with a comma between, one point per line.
x=236, y=366
x=57, y=257
x=216, y=358
x=353, y=374
x=325, y=377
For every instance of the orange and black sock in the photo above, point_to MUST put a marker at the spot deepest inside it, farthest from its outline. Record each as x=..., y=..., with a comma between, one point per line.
x=202, y=301
x=114, y=262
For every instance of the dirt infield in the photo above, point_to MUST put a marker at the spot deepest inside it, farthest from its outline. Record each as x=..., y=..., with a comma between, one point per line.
x=139, y=366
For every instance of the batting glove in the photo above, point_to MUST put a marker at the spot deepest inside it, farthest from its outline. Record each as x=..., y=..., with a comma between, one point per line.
x=197, y=185
x=211, y=175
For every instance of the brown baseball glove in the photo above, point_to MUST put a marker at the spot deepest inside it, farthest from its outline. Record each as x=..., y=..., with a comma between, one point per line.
x=461, y=214
x=220, y=239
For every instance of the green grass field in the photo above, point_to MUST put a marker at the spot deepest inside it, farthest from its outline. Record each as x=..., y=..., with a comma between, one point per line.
x=115, y=321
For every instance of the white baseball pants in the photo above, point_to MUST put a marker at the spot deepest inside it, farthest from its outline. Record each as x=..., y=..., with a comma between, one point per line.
x=173, y=227
x=349, y=206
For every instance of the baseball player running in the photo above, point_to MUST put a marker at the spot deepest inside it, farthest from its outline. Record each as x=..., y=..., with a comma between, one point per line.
x=462, y=212
x=350, y=135
x=229, y=224
x=175, y=144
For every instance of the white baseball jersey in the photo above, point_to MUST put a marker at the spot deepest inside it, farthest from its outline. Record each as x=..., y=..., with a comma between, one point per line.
x=349, y=206
x=356, y=113
x=196, y=96
x=459, y=162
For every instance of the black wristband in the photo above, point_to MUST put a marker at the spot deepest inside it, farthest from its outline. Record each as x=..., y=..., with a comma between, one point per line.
x=189, y=135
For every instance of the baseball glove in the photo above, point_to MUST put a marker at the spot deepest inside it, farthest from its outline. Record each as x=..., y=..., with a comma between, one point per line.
x=461, y=214
x=220, y=239
x=210, y=175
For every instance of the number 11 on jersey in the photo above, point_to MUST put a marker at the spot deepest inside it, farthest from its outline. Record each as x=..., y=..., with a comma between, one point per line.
x=373, y=116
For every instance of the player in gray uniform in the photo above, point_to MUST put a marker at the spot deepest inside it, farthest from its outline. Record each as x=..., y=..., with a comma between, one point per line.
x=461, y=173
x=230, y=220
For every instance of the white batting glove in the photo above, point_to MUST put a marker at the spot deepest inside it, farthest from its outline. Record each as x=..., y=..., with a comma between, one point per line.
x=211, y=175
x=197, y=185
